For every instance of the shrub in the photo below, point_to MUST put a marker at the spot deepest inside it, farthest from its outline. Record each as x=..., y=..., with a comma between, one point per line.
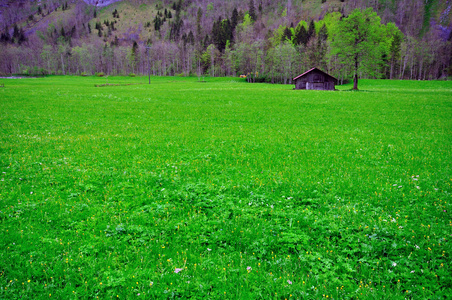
x=84, y=74
x=132, y=75
x=100, y=74
x=43, y=71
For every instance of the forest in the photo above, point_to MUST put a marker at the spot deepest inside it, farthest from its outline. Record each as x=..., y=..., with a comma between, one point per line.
x=267, y=41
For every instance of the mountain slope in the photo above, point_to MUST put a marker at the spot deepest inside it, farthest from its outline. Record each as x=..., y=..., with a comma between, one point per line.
x=191, y=36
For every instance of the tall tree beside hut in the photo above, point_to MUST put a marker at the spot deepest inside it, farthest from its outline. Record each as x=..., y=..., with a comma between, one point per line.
x=356, y=42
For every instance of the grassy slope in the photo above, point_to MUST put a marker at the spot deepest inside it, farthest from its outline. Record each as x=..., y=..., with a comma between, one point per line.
x=107, y=190
x=131, y=21
x=58, y=18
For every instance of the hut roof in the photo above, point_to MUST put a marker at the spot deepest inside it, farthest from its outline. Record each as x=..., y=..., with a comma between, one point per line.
x=309, y=71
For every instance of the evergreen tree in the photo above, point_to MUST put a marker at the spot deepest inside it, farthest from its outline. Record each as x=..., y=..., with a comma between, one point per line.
x=16, y=32
x=5, y=38
x=301, y=35
x=287, y=35
x=234, y=18
x=394, y=52
x=198, y=22
x=311, y=30
x=252, y=10
x=206, y=41
x=191, y=38
x=178, y=6
x=134, y=55
x=323, y=33
x=176, y=27
x=221, y=33
x=22, y=37
x=157, y=23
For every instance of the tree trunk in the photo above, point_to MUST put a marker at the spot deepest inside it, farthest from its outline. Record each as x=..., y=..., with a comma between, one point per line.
x=62, y=63
x=355, y=82
x=392, y=69
x=355, y=78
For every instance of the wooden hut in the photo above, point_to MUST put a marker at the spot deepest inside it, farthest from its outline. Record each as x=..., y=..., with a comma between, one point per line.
x=315, y=79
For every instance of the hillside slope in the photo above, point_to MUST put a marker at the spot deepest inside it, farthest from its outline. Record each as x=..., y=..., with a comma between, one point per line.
x=181, y=32
x=412, y=17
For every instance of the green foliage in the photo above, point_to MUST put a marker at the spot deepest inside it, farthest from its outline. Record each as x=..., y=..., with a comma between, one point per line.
x=209, y=7
x=429, y=10
x=132, y=75
x=301, y=34
x=222, y=33
x=278, y=36
x=356, y=42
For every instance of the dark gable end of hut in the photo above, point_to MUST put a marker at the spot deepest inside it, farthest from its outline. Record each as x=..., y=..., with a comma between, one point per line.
x=315, y=79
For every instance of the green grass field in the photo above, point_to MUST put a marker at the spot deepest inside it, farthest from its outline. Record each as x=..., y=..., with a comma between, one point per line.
x=224, y=190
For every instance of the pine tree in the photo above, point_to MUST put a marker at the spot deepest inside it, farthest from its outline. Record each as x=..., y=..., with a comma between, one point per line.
x=15, y=32
x=234, y=18
x=221, y=33
x=311, y=30
x=198, y=22
x=134, y=55
x=394, y=52
x=179, y=6
x=157, y=23
x=206, y=41
x=301, y=35
x=287, y=35
x=323, y=33
x=176, y=27
x=5, y=38
x=191, y=38
x=22, y=37
x=252, y=10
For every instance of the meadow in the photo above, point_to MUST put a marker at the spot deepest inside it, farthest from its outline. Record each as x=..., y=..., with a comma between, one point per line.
x=224, y=190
